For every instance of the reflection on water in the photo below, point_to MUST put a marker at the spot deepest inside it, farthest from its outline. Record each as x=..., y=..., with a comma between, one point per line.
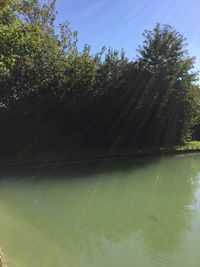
x=141, y=213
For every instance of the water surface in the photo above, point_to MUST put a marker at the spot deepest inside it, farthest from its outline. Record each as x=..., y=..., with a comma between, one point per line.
x=133, y=213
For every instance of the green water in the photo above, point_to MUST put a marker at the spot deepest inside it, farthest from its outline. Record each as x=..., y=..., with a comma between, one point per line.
x=130, y=213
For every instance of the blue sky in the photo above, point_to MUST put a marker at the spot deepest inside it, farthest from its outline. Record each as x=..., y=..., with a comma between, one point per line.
x=120, y=23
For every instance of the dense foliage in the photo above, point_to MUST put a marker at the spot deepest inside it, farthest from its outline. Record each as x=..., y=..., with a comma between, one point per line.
x=52, y=95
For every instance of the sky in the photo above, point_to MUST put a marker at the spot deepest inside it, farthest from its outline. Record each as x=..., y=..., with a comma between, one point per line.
x=120, y=23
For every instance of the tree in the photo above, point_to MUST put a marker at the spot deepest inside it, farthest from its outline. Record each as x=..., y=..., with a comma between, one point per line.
x=109, y=69
x=163, y=54
x=32, y=55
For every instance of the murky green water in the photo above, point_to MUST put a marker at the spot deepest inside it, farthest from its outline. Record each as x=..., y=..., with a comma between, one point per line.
x=131, y=213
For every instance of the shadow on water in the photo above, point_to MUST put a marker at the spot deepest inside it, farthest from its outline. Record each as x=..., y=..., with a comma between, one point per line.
x=78, y=170
x=137, y=203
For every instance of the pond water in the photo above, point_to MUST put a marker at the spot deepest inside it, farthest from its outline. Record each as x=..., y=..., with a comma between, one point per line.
x=133, y=213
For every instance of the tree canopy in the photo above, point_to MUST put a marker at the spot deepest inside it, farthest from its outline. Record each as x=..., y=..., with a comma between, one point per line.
x=105, y=99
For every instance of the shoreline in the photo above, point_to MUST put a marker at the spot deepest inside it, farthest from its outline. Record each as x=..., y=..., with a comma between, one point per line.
x=98, y=156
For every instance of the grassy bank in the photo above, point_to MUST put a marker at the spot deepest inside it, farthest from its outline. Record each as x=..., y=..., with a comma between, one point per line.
x=188, y=146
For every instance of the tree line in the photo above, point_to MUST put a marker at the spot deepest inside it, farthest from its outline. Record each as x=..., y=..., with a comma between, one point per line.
x=52, y=95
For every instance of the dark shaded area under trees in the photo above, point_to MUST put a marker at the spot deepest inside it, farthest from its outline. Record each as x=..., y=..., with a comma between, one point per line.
x=54, y=97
